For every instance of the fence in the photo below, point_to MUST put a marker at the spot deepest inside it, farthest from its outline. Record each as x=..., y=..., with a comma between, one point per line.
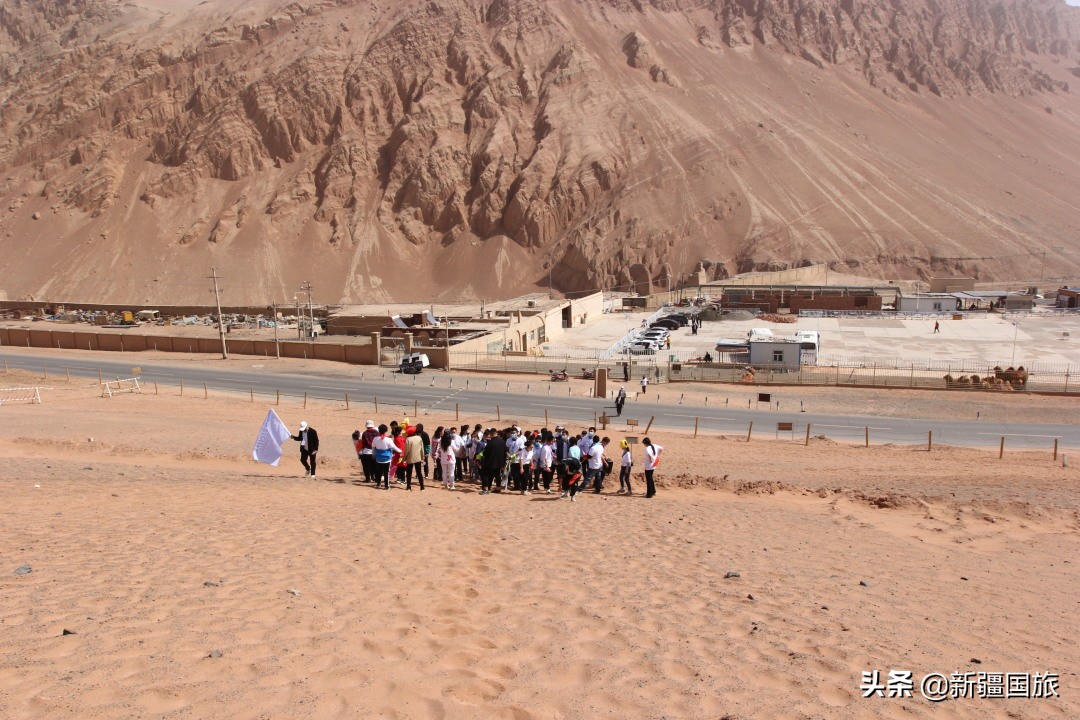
x=1042, y=312
x=895, y=373
x=618, y=368
x=119, y=386
x=20, y=396
x=1060, y=380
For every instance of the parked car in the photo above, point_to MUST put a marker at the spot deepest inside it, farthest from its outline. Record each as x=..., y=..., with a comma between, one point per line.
x=666, y=324
x=413, y=364
x=642, y=349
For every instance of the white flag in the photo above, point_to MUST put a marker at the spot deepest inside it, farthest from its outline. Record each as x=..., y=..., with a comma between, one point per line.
x=268, y=443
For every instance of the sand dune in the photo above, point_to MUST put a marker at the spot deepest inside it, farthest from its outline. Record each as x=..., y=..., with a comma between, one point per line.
x=158, y=544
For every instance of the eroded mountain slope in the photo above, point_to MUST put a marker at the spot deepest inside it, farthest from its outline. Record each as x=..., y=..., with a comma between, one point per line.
x=399, y=150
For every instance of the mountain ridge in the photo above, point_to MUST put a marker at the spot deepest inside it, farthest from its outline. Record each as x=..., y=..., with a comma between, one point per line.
x=398, y=151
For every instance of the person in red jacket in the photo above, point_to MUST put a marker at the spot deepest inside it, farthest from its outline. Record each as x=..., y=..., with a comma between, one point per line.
x=399, y=454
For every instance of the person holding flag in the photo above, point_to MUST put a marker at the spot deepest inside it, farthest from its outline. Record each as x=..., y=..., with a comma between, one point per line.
x=309, y=447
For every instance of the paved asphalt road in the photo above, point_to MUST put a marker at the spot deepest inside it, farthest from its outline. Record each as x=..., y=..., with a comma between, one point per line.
x=480, y=404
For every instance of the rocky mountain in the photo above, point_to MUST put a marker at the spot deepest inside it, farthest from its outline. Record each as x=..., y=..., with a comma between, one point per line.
x=408, y=149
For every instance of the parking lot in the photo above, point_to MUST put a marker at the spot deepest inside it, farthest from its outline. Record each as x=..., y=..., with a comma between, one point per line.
x=1040, y=337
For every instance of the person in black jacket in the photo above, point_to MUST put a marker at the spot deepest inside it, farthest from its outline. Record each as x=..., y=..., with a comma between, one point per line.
x=492, y=464
x=309, y=447
x=562, y=444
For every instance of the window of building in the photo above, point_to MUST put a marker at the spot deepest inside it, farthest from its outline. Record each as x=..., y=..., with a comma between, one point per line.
x=778, y=356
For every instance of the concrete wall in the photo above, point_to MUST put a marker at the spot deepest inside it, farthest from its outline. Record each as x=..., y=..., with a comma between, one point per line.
x=951, y=284
x=810, y=275
x=436, y=355
x=586, y=309
x=361, y=325
x=38, y=306
x=832, y=302
x=120, y=342
x=552, y=322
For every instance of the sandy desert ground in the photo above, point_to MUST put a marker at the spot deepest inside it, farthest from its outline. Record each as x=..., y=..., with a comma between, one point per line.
x=197, y=583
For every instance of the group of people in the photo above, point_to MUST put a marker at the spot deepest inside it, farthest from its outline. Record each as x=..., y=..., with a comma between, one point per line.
x=507, y=460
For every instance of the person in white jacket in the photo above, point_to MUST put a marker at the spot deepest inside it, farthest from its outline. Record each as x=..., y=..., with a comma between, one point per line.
x=652, y=459
x=626, y=467
x=546, y=461
x=447, y=459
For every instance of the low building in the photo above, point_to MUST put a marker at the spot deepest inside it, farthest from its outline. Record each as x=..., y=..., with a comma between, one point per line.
x=776, y=353
x=796, y=299
x=518, y=325
x=1068, y=297
x=927, y=303
x=1017, y=301
x=951, y=284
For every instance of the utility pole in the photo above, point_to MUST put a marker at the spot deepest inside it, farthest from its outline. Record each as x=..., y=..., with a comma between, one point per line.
x=306, y=287
x=1016, y=330
x=299, y=320
x=220, y=320
x=446, y=318
x=277, y=342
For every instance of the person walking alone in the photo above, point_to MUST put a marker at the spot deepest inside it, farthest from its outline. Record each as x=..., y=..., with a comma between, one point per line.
x=652, y=460
x=937, y=326
x=620, y=400
x=644, y=384
x=309, y=448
